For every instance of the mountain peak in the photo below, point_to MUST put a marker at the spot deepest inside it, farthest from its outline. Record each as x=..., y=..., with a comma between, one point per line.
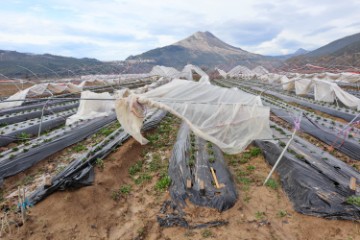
x=205, y=35
x=208, y=42
x=203, y=48
x=300, y=51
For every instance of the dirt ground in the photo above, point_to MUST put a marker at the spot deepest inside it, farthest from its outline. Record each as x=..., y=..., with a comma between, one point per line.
x=8, y=89
x=94, y=212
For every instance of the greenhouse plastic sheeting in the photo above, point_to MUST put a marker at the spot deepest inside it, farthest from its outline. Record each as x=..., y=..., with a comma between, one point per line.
x=21, y=95
x=32, y=130
x=31, y=106
x=36, y=114
x=180, y=171
x=90, y=109
x=346, y=146
x=317, y=189
x=22, y=162
x=333, y=112
x=80, y=173
x=229, y=118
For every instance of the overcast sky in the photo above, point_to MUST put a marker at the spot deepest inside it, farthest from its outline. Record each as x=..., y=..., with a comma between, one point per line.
x=115, y=29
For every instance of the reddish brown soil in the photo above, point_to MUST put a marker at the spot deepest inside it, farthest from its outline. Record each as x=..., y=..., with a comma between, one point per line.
x=8, y=89
x=91, y=213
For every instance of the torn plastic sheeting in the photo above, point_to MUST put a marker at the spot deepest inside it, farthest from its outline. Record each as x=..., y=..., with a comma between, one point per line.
x=316, y=190
x=181, y=171
x=228, y=118
x=10, y=167
x=90, y=109
x=80, y=173
x=338, y=142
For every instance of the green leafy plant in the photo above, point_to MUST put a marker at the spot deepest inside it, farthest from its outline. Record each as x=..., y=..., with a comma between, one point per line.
x=250, y=168
x=142, y=178
x=23, y=136
x=255, y=151
x=135, y=168
x=125, y=189
x=163, y=183
x=99, y=163
x=259, y=215
x=355, y=200
x=282, y=213
x=79, y=148
x=207, y=233
x=273, y=184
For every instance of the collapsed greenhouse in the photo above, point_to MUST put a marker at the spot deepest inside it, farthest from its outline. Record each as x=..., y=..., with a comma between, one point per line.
x=306, y=126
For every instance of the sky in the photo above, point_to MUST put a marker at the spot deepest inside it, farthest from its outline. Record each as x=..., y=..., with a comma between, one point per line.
x=115, y=29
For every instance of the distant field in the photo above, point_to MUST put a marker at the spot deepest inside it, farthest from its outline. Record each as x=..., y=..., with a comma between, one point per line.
x=8, y=89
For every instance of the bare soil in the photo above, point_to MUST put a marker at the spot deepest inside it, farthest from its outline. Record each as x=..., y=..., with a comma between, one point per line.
x=94, y=213
x=91, y=213
x=8, y=89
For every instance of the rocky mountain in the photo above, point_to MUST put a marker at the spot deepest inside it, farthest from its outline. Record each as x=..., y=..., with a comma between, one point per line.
x=204, y=49
x=340, y=53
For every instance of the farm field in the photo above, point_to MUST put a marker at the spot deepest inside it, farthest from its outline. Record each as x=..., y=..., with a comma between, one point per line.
x=111, y=187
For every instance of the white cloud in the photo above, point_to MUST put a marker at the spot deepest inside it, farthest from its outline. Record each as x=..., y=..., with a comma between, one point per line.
x=115, y=29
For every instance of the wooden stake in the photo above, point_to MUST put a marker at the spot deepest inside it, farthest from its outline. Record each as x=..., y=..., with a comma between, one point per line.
x=215, y=178
x=202, y=187
x=352, y=184
x=188, y=183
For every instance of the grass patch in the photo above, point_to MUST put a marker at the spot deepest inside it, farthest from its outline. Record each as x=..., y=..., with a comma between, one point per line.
x=273, y=184
x=250, y=168
x=163, y=183
x=105, y=131
x=142, y=178
x=254, y=152
x=121, y=192
x=134, y=169
x=79, y=148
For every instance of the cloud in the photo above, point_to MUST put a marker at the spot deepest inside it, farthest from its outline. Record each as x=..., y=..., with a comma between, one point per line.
x=320, y=30
x=249, y=32
x=115, y=29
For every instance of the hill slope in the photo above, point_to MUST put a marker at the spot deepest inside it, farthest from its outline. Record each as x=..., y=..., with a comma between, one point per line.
x=204, y=49
x=25, y=65
x=342, y=53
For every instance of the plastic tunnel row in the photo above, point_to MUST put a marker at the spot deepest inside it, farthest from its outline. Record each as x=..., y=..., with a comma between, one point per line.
x=37, y=114
x=339, y=143
x=333, y=112
x=25, y=160
x=316, y=189
x=190, y=171
x=81, y=171
x=32, y=129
